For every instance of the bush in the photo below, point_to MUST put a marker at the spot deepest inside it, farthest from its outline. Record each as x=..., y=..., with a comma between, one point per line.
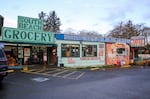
x=140, y=63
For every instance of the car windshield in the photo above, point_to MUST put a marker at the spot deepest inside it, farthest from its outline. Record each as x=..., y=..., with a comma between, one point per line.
x=1, y=53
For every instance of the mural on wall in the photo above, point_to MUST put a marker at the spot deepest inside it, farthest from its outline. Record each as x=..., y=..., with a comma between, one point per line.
x=117, y=53
x=71, y=61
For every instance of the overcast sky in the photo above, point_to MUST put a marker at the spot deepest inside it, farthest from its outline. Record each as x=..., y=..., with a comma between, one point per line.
x=93, y=15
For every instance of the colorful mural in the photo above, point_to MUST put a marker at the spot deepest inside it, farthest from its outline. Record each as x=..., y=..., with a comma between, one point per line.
x=117, y=53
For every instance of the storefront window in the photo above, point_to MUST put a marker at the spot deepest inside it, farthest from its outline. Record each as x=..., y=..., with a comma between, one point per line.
x=70, y=50
x=12, y=55
x=120, y=51
x=89, y=50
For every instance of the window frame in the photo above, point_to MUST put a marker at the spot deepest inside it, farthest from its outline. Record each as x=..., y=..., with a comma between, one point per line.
x=73, y=50
x=89, y=54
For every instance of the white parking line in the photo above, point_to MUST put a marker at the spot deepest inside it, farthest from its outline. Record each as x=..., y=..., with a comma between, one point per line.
x=61, y=72
x=80, y=75
x=32, y=70
x=52, y=71
x=42, y=70
x=69, y=74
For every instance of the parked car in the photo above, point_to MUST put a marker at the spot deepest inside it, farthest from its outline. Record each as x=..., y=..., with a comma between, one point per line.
x=3, y=64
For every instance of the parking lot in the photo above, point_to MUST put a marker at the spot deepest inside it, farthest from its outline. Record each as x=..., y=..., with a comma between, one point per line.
x=56, y=72
x=129, y=83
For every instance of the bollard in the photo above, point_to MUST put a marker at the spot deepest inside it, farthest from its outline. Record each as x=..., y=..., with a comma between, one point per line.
x=61, y=65
x=25, y=68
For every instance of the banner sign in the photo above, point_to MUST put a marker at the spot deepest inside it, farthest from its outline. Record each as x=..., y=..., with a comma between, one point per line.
x=138, y=41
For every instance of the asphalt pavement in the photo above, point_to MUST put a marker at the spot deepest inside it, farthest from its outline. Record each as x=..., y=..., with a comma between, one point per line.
x=130, y=83
x=57, y=72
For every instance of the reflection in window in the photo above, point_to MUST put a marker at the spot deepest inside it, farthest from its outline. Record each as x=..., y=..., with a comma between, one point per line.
x=70, y=50
x=89, y=50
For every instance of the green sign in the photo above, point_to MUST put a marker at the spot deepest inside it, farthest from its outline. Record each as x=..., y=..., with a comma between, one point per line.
x=27, y=36
x=27, y=23
x=30, y=30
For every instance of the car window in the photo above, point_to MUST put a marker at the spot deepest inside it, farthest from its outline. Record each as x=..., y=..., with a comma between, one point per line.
x=1, y=53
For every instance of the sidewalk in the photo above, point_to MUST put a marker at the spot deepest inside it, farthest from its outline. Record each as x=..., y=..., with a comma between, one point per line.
x=28, y=67
x=41, y=66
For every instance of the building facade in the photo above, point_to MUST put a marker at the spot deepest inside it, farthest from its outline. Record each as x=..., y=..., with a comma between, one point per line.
x=117, y=53
x=28, y=44
x=76, y=50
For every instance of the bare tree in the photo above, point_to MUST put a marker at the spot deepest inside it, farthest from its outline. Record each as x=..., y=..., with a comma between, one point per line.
x=126, y=30
x=89, y=33
x=70, y=31
x=146, y=33
x=51, y=21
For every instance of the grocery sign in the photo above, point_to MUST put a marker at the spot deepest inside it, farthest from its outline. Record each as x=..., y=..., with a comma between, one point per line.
x=26, y=36
x=27, y=23
x=138, y=41
x=29, y=30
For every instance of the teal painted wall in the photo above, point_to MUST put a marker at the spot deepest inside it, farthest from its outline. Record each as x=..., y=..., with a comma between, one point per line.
x=80, y=61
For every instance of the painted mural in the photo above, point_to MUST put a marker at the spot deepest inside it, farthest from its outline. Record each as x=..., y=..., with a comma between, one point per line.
x=117, y=53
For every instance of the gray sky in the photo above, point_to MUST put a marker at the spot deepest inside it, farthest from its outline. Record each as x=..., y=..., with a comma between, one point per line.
x=97, y=15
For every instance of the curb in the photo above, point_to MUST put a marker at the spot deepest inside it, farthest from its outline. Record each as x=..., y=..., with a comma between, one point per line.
x=15, y=67
x=10, y=71
x=94, y=69
x=126, y=66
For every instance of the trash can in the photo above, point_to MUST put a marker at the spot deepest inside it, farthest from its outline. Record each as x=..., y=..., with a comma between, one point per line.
x=61, y=65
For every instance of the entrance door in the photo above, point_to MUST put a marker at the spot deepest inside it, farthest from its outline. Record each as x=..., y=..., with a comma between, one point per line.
x=52, y=56
x=38, y=54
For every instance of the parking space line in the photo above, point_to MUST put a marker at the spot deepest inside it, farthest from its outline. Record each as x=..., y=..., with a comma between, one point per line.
x=52, y=71
x=32, y=70
x=36, y=70
x=41, y=70
x=61, y=72
x=80, y=75
x=51, y=68
x=69, y=74
x=36, y=73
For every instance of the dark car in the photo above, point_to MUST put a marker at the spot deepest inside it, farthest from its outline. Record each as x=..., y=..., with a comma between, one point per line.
x=3, y=64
